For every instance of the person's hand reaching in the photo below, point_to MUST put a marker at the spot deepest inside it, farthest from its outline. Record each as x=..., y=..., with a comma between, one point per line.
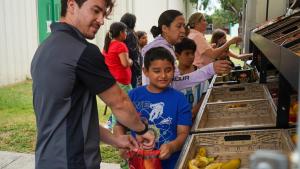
x=222, y=67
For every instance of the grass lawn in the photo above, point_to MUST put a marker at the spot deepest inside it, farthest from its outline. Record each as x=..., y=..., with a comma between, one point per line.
x=17, y=122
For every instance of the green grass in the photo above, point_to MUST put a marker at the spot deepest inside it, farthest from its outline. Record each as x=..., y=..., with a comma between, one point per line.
x=17, y=122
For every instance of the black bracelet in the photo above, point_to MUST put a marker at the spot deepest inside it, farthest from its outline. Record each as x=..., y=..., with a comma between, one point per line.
x=143, y=131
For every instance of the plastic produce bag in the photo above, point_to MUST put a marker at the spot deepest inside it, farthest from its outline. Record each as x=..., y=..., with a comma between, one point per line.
x=144, y=159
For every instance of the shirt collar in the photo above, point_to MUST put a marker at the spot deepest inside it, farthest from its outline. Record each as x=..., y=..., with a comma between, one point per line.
x=62, y=26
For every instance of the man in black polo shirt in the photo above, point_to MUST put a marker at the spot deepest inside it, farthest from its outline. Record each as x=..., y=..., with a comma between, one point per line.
x=68, y=72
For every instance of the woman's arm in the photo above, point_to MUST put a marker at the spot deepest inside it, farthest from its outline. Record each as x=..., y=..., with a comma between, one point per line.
x=125, y=60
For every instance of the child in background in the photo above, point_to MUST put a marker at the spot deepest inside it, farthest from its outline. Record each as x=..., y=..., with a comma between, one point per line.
x=185, y=55
x=218, y=39
x=142, y=39
x=165, y=108
x=117, y=58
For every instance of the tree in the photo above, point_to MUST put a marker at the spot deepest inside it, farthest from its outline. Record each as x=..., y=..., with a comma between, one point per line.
x=221, y=18
x=231, y=11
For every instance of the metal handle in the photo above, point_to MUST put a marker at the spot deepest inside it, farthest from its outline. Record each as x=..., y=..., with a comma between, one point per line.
x=237, y=138
x=235, y=89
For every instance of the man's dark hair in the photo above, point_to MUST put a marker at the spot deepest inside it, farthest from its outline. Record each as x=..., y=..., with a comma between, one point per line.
x=158, y=53
x=129, y=19
x=185, y=44
x=64, y=6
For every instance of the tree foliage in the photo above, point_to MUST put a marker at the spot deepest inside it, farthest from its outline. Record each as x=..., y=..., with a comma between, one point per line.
x=221, y=18
x=230, y=12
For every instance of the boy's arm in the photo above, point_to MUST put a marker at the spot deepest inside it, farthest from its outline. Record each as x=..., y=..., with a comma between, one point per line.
x=191, y=79
x=167, y=149
x=200, y=75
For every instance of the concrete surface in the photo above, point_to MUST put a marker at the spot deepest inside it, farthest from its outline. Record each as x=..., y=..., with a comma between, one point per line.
x=11, y=160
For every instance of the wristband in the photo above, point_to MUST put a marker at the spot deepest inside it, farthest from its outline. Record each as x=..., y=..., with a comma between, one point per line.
x=143, y=131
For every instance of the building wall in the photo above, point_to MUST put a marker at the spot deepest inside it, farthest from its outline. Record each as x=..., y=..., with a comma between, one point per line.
x=256, y=14
x=147, y=13
x=18, y=32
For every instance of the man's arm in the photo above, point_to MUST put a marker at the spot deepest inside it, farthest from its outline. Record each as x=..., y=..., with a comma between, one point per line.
x=122, y=107
x=125, y=112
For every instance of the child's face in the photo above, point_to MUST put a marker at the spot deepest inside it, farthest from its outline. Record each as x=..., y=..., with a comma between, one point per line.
x=160, y=74
x=186, y=57
x=143, y=40
x=222, y=41
x=123, y=35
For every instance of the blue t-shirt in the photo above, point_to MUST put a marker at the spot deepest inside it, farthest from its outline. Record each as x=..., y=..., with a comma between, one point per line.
x=164, y=111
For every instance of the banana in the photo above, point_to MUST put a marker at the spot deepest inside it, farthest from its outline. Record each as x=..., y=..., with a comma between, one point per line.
x=214, y=166
x=202, y=152
x=202, y=161
x=212, y=159
x=232, y=164
x=193, y=164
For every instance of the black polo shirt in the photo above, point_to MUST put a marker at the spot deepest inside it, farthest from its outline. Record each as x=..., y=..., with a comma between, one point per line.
x=67, y=73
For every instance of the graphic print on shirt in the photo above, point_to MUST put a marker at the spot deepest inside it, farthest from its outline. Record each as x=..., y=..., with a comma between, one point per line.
x=193, y=94
x=154, y=112
x=157, y=110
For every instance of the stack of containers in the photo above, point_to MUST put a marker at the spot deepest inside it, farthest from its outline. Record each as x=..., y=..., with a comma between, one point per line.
x=233, y=122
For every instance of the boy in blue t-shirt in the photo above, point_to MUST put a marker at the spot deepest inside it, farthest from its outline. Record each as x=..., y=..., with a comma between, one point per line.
x=166, y=109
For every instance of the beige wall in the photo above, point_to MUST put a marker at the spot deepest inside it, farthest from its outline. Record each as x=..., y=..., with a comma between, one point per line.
x=146, y=11
x=19, y=39
x=19, y=30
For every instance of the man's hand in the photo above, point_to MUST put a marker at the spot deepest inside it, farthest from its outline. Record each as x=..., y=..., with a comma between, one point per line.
x=165, y=151
x=147, y=140
x=126, y=142
x=222, y=67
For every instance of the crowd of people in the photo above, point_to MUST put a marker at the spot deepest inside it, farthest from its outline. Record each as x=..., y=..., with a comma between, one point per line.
x=153, y=98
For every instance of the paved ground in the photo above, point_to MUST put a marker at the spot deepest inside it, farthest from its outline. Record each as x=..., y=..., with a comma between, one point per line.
x=9, y=160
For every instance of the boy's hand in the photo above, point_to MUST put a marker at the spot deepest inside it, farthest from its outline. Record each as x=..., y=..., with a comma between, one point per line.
x=147, y=140
x=165, y=151
x=222, y=67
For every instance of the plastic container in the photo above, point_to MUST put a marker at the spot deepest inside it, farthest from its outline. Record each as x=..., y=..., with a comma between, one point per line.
x=234, y=144
x=238, y=93
x=235, y=115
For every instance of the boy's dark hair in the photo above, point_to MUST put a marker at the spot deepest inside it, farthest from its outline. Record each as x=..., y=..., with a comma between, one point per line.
x=109, y=6
x=129, y=20
x=114, y=31
x=166, y=18
x=158, y=53
x=185, y=44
